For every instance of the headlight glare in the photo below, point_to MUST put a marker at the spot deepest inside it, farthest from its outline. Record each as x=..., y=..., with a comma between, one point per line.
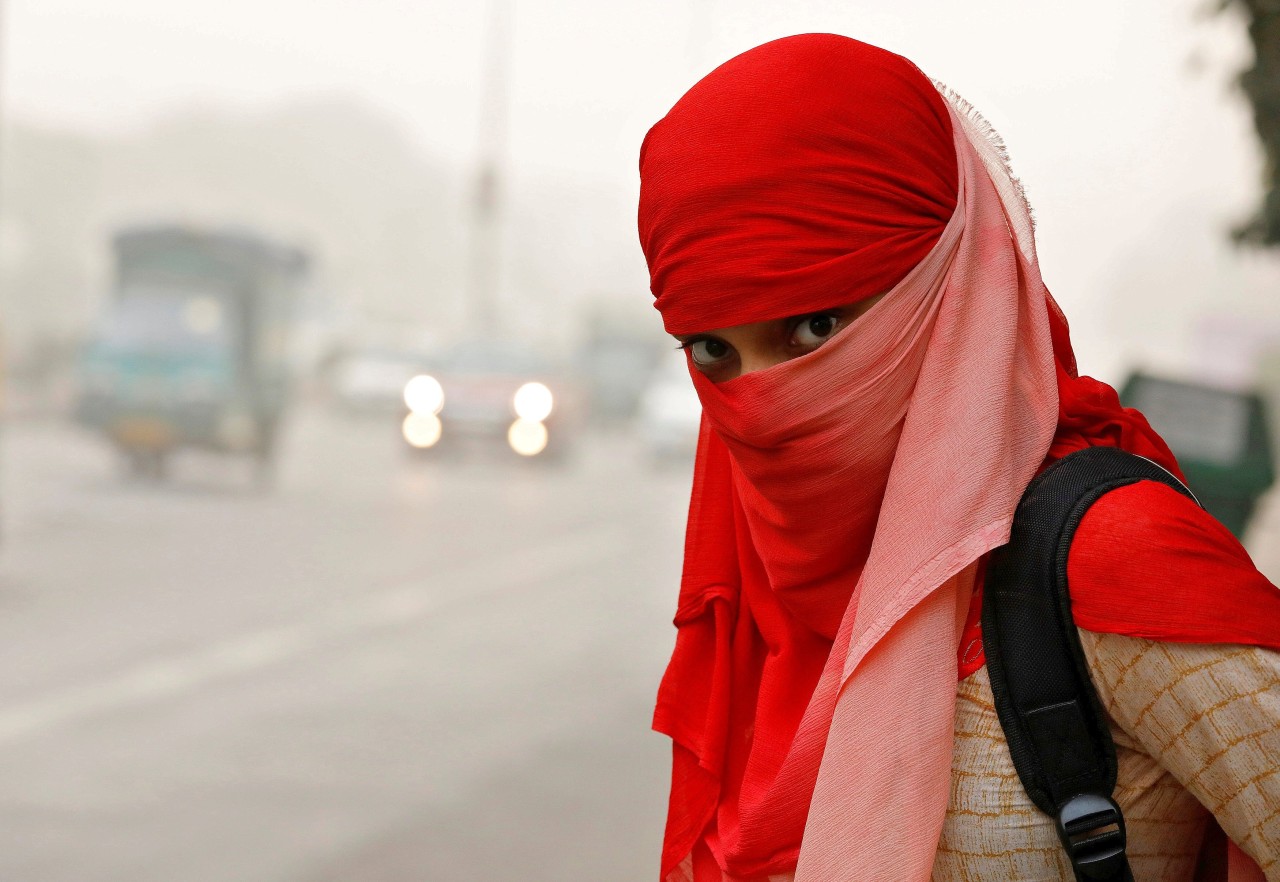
x=527, y=437
x=421, y=430
x=424, y=394
x=533, y=402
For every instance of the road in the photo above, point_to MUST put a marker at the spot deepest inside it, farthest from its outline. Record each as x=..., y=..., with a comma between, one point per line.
x=384, y=669
x=381, y=669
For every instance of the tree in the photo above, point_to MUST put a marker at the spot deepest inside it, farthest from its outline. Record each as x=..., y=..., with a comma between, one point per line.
x=1261, y=85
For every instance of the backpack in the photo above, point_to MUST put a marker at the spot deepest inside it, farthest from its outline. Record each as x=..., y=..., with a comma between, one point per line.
x=1052, y=719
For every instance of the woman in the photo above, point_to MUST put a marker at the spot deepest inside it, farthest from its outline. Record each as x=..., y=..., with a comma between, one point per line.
x=847, y=262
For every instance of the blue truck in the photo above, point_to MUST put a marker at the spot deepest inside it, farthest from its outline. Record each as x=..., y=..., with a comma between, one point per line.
x=193, y=347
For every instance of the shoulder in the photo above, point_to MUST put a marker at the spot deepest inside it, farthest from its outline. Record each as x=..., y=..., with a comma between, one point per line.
x=1151, y=516
x=1147, y=561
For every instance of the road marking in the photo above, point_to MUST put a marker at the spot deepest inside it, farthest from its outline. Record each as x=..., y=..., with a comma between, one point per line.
x=182, y=674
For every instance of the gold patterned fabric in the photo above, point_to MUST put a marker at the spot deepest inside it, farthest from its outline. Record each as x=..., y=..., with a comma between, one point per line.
x=1197, y=731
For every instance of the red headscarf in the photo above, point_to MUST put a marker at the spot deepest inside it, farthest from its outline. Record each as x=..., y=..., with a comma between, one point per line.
x=842, y=500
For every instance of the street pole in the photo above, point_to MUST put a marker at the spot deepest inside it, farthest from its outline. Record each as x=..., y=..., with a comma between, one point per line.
x=484, y=277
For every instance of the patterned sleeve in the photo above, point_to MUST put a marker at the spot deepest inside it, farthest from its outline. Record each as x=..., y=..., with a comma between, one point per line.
x=1210, y=715
x=1192, y=683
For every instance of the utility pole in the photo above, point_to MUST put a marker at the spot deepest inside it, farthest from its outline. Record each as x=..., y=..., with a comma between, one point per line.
x=4, y=294
x=484, y=275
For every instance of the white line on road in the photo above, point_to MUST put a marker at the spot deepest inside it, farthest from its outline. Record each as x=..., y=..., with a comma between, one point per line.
x=236, y=656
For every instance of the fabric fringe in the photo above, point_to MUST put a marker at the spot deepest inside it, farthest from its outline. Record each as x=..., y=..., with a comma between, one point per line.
x=994, y=141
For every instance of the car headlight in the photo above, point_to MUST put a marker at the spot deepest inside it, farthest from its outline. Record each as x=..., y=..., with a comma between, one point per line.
x=424, y=394
x=533, y=402
x=421, y=430
x=527, y=437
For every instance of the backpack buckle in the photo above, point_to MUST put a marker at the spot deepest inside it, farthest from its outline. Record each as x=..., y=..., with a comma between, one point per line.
x=1091, y=828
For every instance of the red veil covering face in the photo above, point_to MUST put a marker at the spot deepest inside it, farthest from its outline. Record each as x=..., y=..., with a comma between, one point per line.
x=842, y=500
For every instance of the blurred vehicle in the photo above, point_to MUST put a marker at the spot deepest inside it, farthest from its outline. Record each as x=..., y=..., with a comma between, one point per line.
x=192, y=349
x=617, y=363
x=1220, y=436
x=669, y=413
x=372, y=381
x=492, y=395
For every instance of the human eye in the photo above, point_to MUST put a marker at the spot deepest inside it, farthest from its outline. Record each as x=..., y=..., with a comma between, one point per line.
x=811, y=331
x=707, y=352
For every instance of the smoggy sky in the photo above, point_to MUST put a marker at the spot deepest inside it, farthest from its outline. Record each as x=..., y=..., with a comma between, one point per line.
x=1119, y=117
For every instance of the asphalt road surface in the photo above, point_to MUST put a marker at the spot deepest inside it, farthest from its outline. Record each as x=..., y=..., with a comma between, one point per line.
x=381, y=669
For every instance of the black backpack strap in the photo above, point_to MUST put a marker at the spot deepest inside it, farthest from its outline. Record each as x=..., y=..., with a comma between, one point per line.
x=1056, y=728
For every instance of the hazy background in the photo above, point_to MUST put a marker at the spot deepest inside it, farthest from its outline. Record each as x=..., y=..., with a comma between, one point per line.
x=380, y=665
x=353, y=128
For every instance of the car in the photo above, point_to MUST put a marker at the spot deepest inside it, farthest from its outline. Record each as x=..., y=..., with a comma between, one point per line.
x=494, y=396
x=669, y=413
x=372, y=381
